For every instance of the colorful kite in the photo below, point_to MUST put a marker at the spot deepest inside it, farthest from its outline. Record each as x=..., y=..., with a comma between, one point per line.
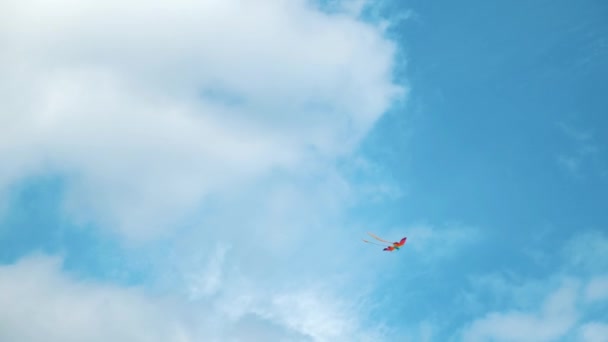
x=389, y=246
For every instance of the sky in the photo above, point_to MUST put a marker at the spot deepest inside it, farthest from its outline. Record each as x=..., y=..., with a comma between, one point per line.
x=206, y=170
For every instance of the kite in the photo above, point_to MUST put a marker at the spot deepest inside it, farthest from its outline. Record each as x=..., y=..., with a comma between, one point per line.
x=389, y=246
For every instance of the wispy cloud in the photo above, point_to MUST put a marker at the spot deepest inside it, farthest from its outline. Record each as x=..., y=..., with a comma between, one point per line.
x=566, y=311
x=593, y=332
x=597, y=289
x=587, y=252
x=552, y=321
x=585, y=149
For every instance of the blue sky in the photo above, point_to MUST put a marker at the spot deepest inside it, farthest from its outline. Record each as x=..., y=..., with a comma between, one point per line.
x=205, y=171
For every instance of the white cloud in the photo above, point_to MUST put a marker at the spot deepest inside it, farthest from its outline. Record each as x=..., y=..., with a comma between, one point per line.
x=593, y=332
x=353, y=7
x=148, y=109
x=512, y=311
x=584, y=150
x=587, y=252
x=208, y=282
x=597, y=289
x=39, y=302
x=556, y=317
x=216, y=123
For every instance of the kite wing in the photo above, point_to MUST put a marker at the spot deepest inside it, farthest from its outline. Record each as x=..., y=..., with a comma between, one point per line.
x=389, y=249
x=402, y=242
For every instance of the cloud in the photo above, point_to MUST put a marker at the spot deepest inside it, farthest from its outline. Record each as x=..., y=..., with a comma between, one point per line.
x=212, y=133
x=40, y=302
x=593, y=332
x=575, y=293
x=587, y=252
x=353, y=7
x=149, y=110
x=597, y=289
x=557, y=315
x=583, y=153
x=208, y=282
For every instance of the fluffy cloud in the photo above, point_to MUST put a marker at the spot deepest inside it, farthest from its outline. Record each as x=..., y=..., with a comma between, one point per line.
x=39, y=302
x=149, y=109
x=215, y=124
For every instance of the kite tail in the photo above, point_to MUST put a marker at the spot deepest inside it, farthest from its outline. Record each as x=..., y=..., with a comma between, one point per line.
x=379, y=239
x=373, y=243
